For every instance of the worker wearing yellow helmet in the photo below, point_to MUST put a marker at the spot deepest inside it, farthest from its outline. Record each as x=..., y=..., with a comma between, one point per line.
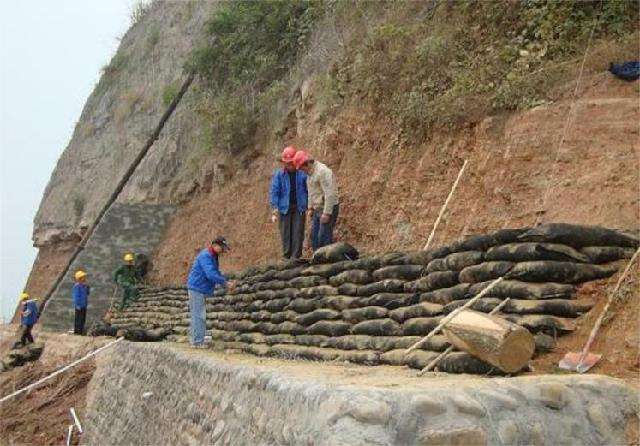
x=126, y=279
x=28, y=318
x=80, y=294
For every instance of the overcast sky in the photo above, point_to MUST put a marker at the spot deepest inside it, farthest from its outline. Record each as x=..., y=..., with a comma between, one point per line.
x=51, y=53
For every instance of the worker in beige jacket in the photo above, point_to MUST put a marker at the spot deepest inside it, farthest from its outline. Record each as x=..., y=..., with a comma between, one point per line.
x=323, y=198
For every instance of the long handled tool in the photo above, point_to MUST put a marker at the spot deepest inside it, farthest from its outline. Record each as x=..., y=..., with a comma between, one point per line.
x=582, y=361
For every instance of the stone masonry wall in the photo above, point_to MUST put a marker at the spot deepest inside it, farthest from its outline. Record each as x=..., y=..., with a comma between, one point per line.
x=158, y=394
x=125, y=228
x=371, y=309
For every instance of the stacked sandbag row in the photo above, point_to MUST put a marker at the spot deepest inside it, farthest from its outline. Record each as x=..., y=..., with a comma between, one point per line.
x=370, y=309
x=154, y=308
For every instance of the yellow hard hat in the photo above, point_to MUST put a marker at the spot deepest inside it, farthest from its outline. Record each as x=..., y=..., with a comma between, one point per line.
x=80, y=274
x=24, y=296
x=128, y=257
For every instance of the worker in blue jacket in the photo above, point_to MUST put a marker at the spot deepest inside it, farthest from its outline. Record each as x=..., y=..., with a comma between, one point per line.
x=28, y=318
x=80, y=294
x=288, y=197
x=203, y=278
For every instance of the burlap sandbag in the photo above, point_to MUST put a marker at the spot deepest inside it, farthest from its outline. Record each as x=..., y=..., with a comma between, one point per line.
x=361, y=314
x=523, y=290
x=531, y=251
x=433, y=281
x=355, y=276
x=303, y=305
x=423, y=309
x=340, y=303
x=579, y=236
x=384, y=286
x=329, y=328
x=348, y=289
x=437, y=265
x=307, y=281
x=390, y=300
x=446, y=295
x=560, y=272
x=419, y=326
x=457, y=261
x=377, y=327
x=322, y=290
x=322, y=314
x=334, y=253
x=485, y=271
x=605, y=254
x=402, y=272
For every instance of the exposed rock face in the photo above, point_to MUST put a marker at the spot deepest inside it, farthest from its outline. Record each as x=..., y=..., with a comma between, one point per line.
x=157, y=394
x=117, y=119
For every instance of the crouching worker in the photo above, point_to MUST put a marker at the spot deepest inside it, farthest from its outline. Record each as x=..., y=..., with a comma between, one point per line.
x=126, y=278
x=80, y=294
x=203, y=278
x=288, y=199
x=28, y=318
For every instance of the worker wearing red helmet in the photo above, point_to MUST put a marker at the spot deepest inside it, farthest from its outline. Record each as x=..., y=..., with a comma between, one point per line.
x=323, y=198
x=288, y=197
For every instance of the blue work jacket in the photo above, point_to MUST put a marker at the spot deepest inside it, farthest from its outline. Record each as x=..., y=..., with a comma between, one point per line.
x=30, y=307
x=280, y=190
x=205, y=274
x=80, y=293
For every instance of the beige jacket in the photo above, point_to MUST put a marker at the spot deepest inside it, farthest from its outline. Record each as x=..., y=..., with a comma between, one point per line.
x=322, y=187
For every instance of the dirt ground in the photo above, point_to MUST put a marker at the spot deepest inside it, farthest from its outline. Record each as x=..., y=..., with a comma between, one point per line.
x=41, y=416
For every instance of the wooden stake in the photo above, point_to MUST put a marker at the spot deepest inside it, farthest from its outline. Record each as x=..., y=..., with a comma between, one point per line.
x=444, y=206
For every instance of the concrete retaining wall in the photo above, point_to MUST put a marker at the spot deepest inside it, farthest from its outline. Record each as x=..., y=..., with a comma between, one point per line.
x=125, y=228
x=163, y=394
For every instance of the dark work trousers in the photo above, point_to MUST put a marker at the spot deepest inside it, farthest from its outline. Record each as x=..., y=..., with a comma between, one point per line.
x=322, y=233
x=291, y=227
x=78, y=323
x=26, y=335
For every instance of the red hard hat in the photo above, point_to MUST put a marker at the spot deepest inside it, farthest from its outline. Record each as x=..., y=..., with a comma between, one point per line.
x=300, y=158
x=288, y=154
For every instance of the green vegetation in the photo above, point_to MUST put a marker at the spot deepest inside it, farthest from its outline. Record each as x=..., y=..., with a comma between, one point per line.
x=169, y=93
x=139, y=10
x=472, y=58
x=252, y=44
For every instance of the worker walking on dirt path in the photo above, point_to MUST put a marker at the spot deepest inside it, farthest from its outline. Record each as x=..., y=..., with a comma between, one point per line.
x=126, y=278
x=323, y=198
x=80, y=294
x=203, y=278
x=28, y=318
x=288, y=197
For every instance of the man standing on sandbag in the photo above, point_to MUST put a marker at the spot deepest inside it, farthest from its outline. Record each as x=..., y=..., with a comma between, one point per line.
x=288, y=198
x=80, y=294
x=323, y=198
x=28, y=318
x=126, y=277
x=203, y=278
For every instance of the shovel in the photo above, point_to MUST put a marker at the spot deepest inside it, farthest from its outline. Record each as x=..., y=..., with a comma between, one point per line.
x=582, y=361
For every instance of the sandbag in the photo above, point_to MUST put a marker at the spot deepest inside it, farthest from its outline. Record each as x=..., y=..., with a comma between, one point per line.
x=355, y=276
x=290, y=328
x=578, y=236
x=463, y=362
x=437, y=265
x=446, y=295
x=367, y=263
x=419, y=359
x=322, y=290
x=361, y=314
x=241, y=326
x=313, y=340
x=259, y=295
x=523, y=290
x=423, y=309
x=101, y=328
x=531, y=251
x=437, y=343
x=555, y=307
x=359, y=357
x=348, y=289
x=536, y=323
x=393, y=357
x=544, y=343
x=256, y=305
x=326, y=269
x=377, y=327
x=392, y=258
x=280, y=339
x=271, y=285
x=403, y=272
x=606, y=254
x=419, y=326
x=321, y=314
x=351, y=342
x=142, y=335
x=303, y=305
x=384, y=286
x=267, y=328
x=252, y=338
x=330, y=328
x=289, y=274
x=433, y=281
x=291, y=293
x=275, y=318
x=419, y=257
x=334, y=253
x=307, y=281
x=276, y=305
x=391, y=300
x=560, y=272
x=457, y=261
x=485, y=271
x=340, y=302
